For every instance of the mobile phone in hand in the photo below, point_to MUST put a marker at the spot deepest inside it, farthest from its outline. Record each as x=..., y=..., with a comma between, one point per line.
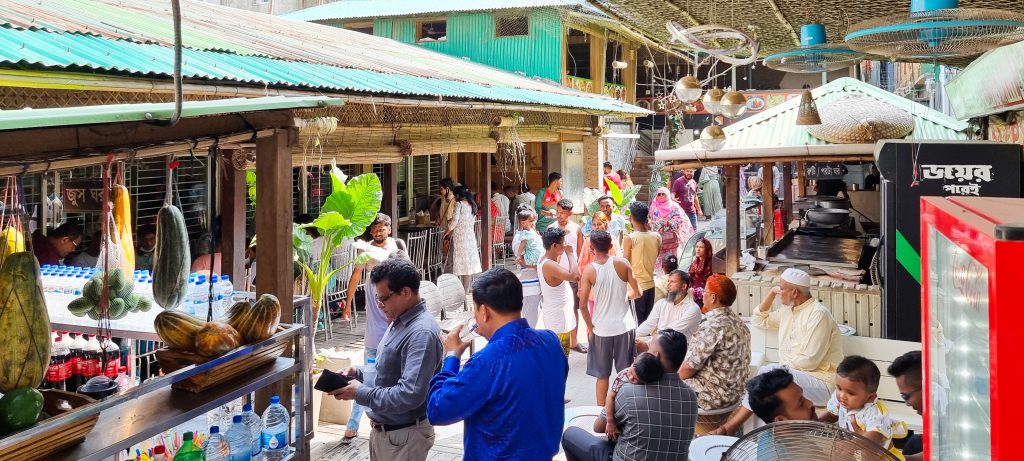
x=330, y=381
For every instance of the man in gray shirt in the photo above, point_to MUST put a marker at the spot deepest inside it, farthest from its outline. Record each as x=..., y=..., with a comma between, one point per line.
x=656, y=420
x=408, y=356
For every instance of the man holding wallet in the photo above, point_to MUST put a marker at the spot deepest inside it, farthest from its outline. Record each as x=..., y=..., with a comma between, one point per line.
x=510, y=392
x=407, y=357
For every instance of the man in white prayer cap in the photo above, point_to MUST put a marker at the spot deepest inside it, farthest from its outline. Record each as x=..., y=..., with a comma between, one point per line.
x=809, y=342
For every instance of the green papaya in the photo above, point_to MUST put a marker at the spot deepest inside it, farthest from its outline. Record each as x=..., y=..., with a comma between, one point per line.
x=20, y=409
x=24, y=324
x=93, y=289
x=171, y=260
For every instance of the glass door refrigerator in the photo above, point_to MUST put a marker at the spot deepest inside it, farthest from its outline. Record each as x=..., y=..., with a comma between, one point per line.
x=973, y=250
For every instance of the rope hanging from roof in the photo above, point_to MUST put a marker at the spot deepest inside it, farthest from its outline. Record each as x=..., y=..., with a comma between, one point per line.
x=511, y=155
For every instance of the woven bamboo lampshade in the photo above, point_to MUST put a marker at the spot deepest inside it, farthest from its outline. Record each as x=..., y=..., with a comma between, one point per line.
x=859, y=119
x=808, y=112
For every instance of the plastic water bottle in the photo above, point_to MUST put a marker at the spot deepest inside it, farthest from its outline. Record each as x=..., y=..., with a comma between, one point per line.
x=189, y=451
x=275, y=430
x=226, y=289
x=216, y=447
x=254, y=424
x=240, y=440
x=370, y=372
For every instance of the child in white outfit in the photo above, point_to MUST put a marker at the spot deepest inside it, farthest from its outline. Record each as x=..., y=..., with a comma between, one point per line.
x=854, y=405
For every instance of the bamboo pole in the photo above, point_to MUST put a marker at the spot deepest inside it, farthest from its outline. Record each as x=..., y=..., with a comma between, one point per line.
x=743, y=161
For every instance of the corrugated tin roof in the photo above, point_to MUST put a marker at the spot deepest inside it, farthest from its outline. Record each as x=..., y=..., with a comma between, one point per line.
x=358, y=9
x=776, y=127
x=134, y=37
x=88, y=115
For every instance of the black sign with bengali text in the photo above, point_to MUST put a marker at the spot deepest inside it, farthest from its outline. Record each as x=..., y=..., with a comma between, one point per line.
x=81, y=195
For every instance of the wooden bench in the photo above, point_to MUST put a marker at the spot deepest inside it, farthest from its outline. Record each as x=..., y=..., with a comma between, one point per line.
x=764, y=346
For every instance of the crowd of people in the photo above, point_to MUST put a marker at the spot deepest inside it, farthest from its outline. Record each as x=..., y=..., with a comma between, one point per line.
x=669, y=354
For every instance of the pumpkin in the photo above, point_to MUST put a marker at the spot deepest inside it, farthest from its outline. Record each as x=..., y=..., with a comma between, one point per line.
x=178, y=329
x=24, y=324
x=258, y=321
x=171, y=262
x=216, y=339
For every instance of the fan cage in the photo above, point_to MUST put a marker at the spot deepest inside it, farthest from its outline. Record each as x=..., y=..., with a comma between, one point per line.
x=805, y=441
x=937, y=34
x=812, y=59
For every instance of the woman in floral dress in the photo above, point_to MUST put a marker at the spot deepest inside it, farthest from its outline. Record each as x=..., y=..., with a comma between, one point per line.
x=466, y=262
x=669, y=220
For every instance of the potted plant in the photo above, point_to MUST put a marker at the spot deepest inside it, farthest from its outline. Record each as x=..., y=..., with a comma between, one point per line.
x=346, y=213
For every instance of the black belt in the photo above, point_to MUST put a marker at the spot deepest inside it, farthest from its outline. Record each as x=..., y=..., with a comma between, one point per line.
x=394, y=427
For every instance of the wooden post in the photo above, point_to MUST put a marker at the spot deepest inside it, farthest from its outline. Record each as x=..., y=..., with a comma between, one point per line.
x=787, y=193
x=768, y=203
x=801, y=186
x=598, y=60
x=274, y=243
x=273, y=222
x=732, y=219
x=389, y=205
x=233, y=199
x=485, y=218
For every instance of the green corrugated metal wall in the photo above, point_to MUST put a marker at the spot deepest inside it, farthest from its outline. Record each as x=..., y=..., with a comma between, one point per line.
x=471, y=35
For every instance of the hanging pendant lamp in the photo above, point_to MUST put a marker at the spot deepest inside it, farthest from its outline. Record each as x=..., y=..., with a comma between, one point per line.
x=712, y=138
x=687, y=89
x=808, y=112
x=713, y=101
x=733, y=104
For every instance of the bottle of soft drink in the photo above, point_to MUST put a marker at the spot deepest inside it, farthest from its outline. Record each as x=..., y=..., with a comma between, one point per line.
x=159, y=453
x=216, y=447
x=276, y=422
x=110, y=357
x=253, y=422
x=89, y=365
x=189, y=451
x=57, y=372
x=77, y=348
x=239, y=440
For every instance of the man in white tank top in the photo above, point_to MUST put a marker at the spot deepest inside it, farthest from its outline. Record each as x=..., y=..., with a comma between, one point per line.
x=555, y=292
x=611, y=327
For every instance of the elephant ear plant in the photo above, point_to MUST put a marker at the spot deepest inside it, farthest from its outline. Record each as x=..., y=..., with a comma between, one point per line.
x=346, y=213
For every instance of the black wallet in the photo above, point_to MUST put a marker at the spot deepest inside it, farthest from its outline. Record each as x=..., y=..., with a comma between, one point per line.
x=330, y=381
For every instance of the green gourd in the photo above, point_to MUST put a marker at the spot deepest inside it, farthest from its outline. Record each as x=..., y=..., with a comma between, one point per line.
x=171, y=262
x=24, y=324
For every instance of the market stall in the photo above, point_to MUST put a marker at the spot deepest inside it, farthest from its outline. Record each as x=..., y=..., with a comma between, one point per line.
x=201, y=374
x=834, y=238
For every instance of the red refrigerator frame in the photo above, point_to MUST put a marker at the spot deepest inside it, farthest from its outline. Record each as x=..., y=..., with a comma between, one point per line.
x=983, y=228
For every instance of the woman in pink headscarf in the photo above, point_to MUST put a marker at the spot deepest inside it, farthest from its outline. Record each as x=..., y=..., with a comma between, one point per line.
x=669, y=220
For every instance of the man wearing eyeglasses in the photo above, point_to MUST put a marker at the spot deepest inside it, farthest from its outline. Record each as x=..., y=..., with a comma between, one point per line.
x=56, y=244
x=907, y=371
x=408, y=355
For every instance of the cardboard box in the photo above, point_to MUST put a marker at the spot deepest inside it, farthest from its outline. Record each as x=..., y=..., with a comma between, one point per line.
x=332, y=410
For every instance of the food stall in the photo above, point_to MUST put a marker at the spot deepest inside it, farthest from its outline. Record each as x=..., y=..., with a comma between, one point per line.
x=276, y=359
x=835, y=243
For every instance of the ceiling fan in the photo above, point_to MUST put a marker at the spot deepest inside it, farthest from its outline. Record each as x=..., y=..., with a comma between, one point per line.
x=814, y=55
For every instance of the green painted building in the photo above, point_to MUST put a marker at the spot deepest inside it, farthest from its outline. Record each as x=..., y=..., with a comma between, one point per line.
x=564, y=41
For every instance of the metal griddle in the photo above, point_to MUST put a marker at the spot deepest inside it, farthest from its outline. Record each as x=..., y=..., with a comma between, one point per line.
x=798, y=247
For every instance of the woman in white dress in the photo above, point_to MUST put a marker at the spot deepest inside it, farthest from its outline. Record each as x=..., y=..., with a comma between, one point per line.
x=466, y=254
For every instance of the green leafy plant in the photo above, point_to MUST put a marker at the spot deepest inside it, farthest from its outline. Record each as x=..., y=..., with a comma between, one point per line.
x=621, y=198
x=345, y=214
x=250, y=186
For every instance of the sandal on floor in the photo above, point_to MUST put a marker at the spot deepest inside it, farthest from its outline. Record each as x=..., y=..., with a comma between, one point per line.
x=580, y=348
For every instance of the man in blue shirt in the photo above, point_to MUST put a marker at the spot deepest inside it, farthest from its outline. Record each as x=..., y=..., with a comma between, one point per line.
x=510, y=394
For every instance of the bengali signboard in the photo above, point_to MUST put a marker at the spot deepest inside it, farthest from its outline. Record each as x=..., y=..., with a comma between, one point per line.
x=576, y=83
x=1001, y=131
x=824, y=170
x=81, y=195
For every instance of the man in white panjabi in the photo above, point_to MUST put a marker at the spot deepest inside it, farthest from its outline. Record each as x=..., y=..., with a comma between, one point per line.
x=809, y=342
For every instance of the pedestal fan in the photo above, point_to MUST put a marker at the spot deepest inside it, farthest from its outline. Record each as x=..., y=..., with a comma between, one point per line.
x=936, y=29
x=805, y=441
x=814, y=55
